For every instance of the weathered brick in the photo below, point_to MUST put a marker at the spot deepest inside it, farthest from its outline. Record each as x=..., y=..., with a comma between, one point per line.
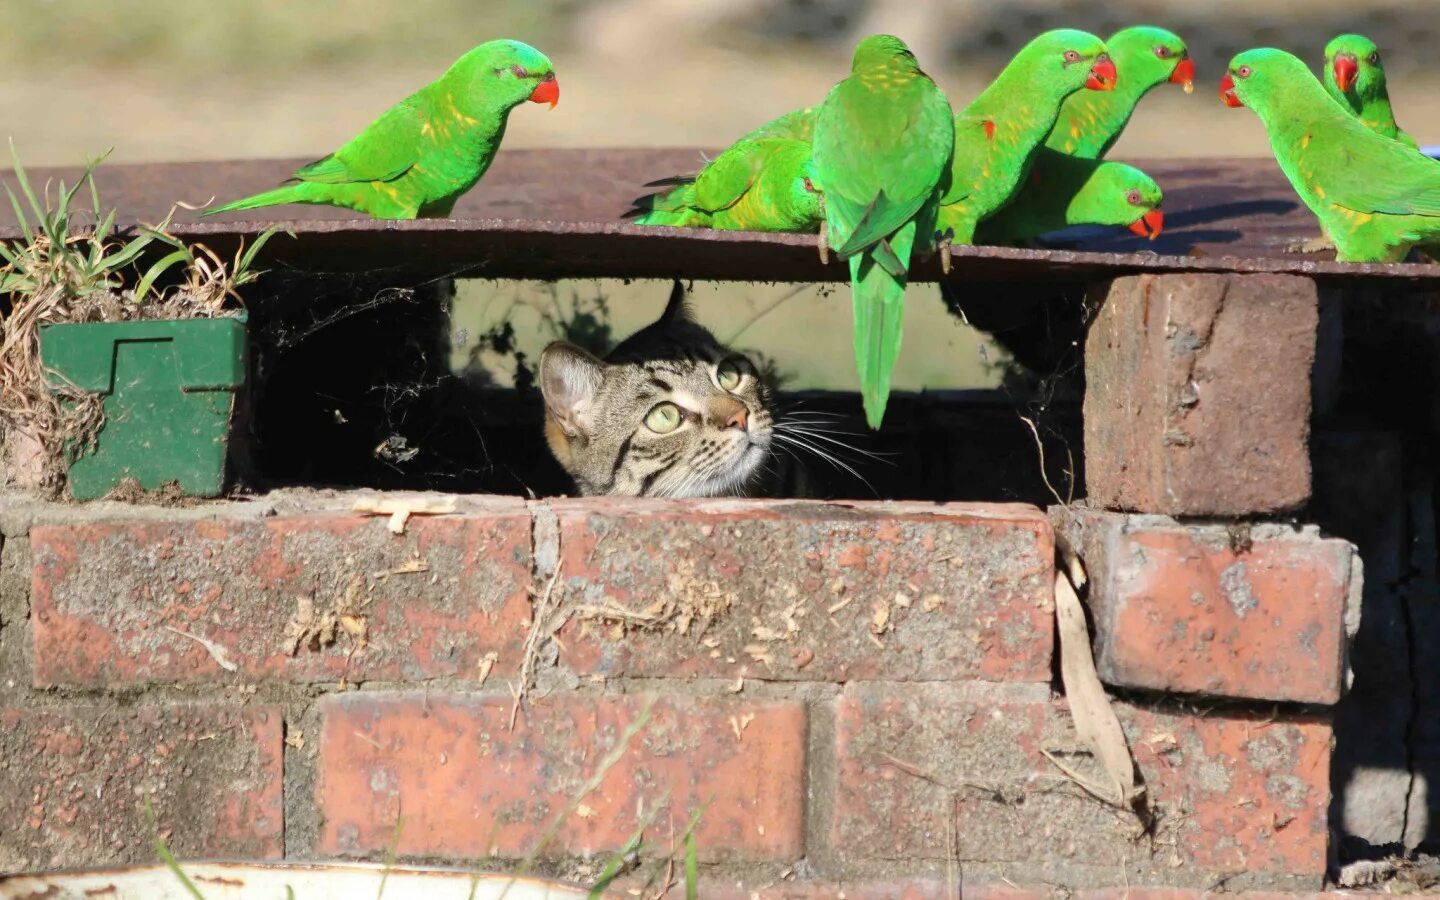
x=1191, y=608
x=125, y=603
x=1197, y=394
x=467, y=786
x=814, y=591
x=1231, y=792
x=892, y=889
x=74, y=782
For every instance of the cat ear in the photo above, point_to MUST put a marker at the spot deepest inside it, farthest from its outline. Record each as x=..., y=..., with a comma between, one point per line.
x=676, y=310
x=569, y=379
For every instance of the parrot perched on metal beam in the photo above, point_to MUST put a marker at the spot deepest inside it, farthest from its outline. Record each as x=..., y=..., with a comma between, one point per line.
x=882, y=144
x=424, y=152
x=1375, y=197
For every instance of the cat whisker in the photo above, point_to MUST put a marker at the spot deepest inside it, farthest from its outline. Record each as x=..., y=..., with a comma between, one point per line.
x=830, y=437
x=824, y=454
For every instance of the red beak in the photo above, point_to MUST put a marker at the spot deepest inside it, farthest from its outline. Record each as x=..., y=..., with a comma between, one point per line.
x=1227, y=92
x=1102, y=75
x=1149, y=225
x=1184, y=74
x=1345, y=69
x=547, y=91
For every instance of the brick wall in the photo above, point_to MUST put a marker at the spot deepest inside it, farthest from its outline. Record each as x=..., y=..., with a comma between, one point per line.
x=857, y=695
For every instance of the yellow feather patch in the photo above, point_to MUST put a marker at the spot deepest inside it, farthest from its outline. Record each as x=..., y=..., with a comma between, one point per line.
x=1319, y=191
x=1074, y=133
x=1305, y=142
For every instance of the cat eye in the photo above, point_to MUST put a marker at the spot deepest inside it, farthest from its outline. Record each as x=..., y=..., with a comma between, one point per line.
x=728, y=375
x=664, y=418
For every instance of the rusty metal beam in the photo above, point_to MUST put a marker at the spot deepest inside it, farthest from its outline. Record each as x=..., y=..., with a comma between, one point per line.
x=557, y=214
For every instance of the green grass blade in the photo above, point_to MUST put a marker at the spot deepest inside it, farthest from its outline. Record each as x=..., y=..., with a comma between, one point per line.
x=25, y=183
x=148, y=280
x=616, y=863
x=174, y=867
x=20, y=216
x=692, y=866
x=254, y=250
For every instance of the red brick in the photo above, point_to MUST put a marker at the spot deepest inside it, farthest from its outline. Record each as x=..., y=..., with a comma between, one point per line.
x=107, y=596
x=462, y=780
x=1197, y=394
x=73, y=781
x=813, y=591
x=894, y=889
x=1189, y=608
x=1231, y=792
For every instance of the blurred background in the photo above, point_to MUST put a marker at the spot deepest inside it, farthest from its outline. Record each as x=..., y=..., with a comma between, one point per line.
x=180, y=79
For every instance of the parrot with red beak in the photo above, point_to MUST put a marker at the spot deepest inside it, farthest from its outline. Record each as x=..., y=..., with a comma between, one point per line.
x=997, y=134
x=1061, y=193
x=424, y=152
x=1355, y=76
x=1145, y=57
x=1064, y=191
x=1375, y=197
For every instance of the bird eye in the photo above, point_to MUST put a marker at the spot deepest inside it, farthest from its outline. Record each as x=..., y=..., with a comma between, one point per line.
x=728, y=375
x=1072, y=56
x=1375, y=58
x=520, y=71
x=1133, y=198
x=663, y=418
x=1163, y=52
x=1243, y=71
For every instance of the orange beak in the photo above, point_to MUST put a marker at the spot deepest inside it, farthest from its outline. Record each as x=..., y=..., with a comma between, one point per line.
x=547, y=91
x=1345, y=69
x=1102, y=75
x=1184, y=74
x=1227, y=92
x=1149, y=225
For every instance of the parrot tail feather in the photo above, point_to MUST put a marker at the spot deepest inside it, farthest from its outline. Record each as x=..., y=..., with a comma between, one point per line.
x=290, y=193
x=879, y=306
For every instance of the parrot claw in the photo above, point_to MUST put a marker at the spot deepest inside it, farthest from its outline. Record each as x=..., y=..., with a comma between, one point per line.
x=945, y=256
x=1313, y=245
x=824, y=245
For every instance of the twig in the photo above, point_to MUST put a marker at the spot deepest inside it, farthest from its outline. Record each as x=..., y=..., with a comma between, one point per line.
x=1044, y=475
x=541, y=618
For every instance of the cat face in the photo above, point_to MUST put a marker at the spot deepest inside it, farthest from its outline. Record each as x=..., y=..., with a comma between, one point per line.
x=669, y=413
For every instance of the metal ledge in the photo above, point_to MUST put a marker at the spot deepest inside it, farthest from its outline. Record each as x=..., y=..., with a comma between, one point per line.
x=557, y=214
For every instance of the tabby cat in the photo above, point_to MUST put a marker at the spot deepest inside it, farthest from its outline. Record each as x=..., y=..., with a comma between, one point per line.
x=668, y=413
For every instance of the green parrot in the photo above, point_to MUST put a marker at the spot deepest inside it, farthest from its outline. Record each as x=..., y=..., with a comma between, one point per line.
x=1067, y=190
x=1090, y=122
x=425, y=151
x=882, y=145
x=1355, y=77
x=761, y=184
x=998, y=132
x=798, y=125
x=1375, y=197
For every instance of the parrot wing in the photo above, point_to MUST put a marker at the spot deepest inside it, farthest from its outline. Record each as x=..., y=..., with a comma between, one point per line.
x=1365, y=172
x=384, y=151
x=873, y=182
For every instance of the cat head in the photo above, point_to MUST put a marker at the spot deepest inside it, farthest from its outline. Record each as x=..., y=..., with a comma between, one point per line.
x=668, y=413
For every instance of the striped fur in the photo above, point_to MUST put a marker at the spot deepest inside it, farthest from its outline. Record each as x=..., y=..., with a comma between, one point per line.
x=596, y=412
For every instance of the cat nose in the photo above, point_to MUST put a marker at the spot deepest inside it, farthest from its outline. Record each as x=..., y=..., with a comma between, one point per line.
x=727, y=412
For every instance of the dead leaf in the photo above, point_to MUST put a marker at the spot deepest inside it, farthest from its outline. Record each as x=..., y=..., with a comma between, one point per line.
x=738, y=725
x=295, y=739
x=487, y=662
x=400, y=509
x=880, y=621
x=217, y=652
x=1095, y=720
